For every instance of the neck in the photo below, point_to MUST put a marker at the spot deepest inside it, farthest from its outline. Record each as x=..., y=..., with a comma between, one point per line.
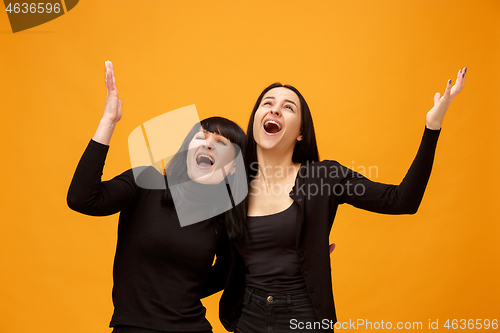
x=274, y=166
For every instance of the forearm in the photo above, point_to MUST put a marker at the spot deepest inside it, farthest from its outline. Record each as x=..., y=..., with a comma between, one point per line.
x=216, y=280
x=84, y=187
x=219, y=272
x=87, y=194
x=104, y=131
x=404, y=198
x=411, y=189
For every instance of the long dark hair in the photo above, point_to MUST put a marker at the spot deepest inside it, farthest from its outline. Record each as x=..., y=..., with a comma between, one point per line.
x=235, y=218
x=305, y=150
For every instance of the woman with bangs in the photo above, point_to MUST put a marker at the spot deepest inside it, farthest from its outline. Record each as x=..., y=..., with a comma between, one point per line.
x=167, y=238
x=280, y=279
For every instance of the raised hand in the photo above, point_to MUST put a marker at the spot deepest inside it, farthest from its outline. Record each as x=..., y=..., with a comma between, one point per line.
x=112, y=109
x=441, y=103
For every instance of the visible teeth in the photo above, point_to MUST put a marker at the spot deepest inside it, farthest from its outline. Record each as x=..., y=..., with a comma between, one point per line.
x=207, y=156
x=272, y=122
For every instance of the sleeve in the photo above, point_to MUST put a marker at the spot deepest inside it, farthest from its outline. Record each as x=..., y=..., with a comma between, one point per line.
x=404, y=198
x=89, y=195
x=219, y=272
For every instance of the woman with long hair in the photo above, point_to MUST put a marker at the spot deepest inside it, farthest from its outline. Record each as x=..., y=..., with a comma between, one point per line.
x=161, y=268
x=280, y=278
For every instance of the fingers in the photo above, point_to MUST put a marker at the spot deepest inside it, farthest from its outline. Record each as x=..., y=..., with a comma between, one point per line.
x=462, y=72
x=106, y=73
x=113, y=75
x=110, y=77
x=460, y=82
x=447, y=91
x=437, y=96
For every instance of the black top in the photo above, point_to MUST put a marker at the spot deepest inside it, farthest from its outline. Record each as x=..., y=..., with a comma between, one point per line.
x=320, y=187
x=161, y=270
x=270, y=252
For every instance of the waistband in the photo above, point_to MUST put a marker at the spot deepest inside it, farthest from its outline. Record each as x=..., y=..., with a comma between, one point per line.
x=291, y=296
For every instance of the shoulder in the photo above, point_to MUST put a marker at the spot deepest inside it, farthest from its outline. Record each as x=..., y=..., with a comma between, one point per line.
x=324, y=172
x=145, y=177
x=324, y=163
x=325, y=168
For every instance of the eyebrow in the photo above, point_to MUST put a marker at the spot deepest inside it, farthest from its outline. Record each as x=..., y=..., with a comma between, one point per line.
x=286, y=100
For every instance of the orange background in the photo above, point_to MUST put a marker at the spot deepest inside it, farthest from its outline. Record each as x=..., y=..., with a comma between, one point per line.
x=369, y=71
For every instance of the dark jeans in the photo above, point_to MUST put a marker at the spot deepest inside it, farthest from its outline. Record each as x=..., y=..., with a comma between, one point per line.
x=131, y=329
x=268, y=312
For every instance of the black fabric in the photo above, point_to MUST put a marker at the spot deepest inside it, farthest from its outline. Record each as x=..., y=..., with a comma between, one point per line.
x=319, y=189
x=131, y=329
x=161, y=270
x=270, y=253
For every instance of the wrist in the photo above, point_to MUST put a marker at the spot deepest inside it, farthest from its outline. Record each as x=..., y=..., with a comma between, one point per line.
x=108, y=122
x=434, y=127
x=104, y=131
x=432, y=122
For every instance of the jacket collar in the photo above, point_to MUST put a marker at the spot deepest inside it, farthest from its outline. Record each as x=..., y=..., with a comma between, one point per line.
x=298, y=196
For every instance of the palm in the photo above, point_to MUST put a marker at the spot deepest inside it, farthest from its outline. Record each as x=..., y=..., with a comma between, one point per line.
x=441, y=103
x=113, y=107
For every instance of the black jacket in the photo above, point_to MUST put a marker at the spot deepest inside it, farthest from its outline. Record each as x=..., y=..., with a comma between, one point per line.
x=319, y=189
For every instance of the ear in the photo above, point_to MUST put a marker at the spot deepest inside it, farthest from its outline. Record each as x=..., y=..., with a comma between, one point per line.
x=299, y=138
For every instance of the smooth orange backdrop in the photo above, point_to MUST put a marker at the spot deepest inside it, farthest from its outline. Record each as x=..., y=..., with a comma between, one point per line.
x=369, y=71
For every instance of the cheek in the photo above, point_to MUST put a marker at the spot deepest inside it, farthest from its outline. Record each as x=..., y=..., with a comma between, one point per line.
x=256, y=121
x=189, y=159
x=190, y=151
x=259, y=114
x=227, y=156
x=296, y=122
x=255, y=127
x=192, y=144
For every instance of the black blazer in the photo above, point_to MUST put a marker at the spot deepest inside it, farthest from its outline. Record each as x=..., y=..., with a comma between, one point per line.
x=320, y=187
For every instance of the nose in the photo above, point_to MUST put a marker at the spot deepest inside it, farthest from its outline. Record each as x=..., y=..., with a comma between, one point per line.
x=208, y=143
x=275, y=111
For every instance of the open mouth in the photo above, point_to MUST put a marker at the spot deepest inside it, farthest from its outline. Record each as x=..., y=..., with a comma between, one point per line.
x=272, y=126
x=204, y=161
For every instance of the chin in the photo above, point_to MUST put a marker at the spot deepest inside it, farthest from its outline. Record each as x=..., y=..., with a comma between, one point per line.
x=268, y=143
